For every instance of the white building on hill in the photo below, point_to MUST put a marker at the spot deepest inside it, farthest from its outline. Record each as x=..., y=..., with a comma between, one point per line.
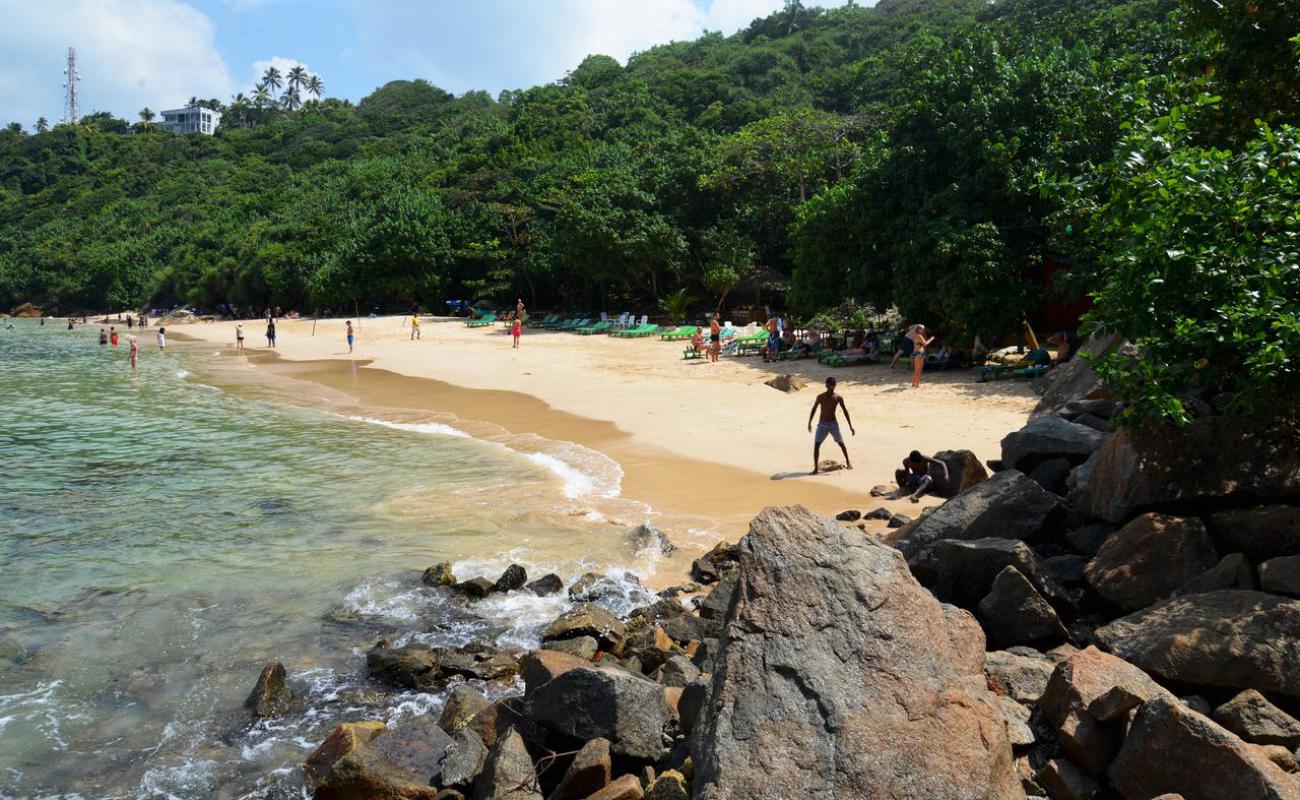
x=191, y=119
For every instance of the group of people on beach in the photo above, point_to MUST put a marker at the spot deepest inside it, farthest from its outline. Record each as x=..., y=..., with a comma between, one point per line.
x=108, y=337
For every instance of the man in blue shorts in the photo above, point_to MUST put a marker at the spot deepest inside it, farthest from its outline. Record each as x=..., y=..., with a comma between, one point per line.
x=827, y=425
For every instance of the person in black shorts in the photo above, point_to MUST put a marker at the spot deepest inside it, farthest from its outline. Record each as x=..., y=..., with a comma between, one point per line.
x=915, y=475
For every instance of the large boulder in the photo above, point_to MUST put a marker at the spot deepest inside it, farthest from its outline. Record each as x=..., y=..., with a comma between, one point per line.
x=1078, y=694
x=588, y=619
x=1049, y=437
x=412, y=667
x=1260, y=533
x=508, y=772
x=840, y=676
x=1209, y=461
x=1232, y=572
x=1281, y=575
x=1013, y=612
x=962, y=572
x=1149, y=559
x=1227, y=640
x=1021, y=675
x=362, y=760
x=710, y=567
x=964, y=471
x=1172, y=749
x=463, y=760
x=1007, y=505
x=587, y=774
x=1076, y=379
x=589, y=702
x=540, y=666
x=1252, y=717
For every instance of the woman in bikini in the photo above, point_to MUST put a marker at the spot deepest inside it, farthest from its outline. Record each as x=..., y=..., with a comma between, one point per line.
x=715, y=338
x=920, y=342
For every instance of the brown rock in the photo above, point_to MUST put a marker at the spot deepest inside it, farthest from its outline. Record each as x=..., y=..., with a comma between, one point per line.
x=1172, y=749
x=1077, y=683
x=1281, y=575
x=1260, y=533
x=589, y=772
x=348, y=766
x=627, y=787
x=787, y=383
x=1208, y=461
x=580, y=646
x=1013, y=612
x=1149, y=559
x=1284, y=758
x=541, y=666
x=463, y=704
x=1065, y=781
x=271, y=696
x=343, y=740
x=1232, y=572
x=508, y=773
x=1252, y=717
x=439, y=574
x=964, y=471
x=671, y=785
x=588, y=619
x=1021, y=677
x=1227, y=640
x=794, y=715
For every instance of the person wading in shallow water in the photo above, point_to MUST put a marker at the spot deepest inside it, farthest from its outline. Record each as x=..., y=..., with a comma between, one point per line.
x=828, y=401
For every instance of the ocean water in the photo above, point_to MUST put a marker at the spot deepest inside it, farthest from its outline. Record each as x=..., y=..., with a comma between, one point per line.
x=162, y=539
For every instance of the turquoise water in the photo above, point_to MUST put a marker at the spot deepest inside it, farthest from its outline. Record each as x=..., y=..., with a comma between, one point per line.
x=162, y=539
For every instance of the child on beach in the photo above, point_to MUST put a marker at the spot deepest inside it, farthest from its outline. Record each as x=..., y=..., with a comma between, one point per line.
x=270, y=332
x=162, y=338
x=517, y=328
x=103, y=337
x=239, y=337
x=415, y=327
x=135, y=352
x=350, y=335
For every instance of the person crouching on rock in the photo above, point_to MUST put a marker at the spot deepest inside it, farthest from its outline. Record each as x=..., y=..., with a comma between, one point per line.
x=915, y=475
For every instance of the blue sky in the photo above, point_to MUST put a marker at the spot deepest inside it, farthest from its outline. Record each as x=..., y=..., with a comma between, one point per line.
x=157, y=53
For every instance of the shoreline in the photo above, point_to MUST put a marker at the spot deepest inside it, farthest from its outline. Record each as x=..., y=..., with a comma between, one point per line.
x=691, y=438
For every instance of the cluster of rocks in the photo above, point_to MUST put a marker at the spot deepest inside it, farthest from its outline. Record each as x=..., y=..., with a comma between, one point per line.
x=1142, y=588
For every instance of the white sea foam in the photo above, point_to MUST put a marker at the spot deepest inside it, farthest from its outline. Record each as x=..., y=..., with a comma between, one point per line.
x=437, y=428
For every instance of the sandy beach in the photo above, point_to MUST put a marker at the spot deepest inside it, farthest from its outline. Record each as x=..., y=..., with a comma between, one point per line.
x=691, y=437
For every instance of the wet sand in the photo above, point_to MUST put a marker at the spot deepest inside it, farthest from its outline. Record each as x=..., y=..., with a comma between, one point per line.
x=708, y=441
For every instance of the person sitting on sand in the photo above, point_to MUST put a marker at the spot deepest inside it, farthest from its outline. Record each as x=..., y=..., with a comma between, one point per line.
x=915, y=475
x=828, y=401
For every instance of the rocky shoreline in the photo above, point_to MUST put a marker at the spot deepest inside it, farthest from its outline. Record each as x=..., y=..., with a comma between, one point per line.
x=1106, y=615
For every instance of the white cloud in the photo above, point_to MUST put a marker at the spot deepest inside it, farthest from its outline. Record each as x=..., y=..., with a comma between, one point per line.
x=131, y=54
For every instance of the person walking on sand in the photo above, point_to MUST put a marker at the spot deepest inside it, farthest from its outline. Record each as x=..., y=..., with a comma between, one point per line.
x=919, y=342
x=112, y=335
x=519, y=307
x=415, y=327
x=239, y=337
x=517, y=328
x=715, y=338
x=828, y=401
x=162, y=338
x=270, y=332
x=351, y=336
x=135, y=352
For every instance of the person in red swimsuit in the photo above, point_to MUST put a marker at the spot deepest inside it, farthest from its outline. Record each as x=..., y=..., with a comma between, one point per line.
x=517, y=328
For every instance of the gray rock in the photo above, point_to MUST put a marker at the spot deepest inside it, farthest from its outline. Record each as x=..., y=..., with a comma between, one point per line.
x=1281, y=575
x=580, y=646
x=588, y=702
x=1008, y=505
x=964, y=471
x=899, y=520
x=1093, y=421
x=1260, y=533
x=412, y=667
x=849, y=516
x=715, y=604
x=962, y=572
x=648, y=536
x=1227, y=640
x=1076, y=485
x=1232, y=572
x=546, y=585
x=587, y=774
x=508, y=772
x=689, y=706
x=1052, y=473
x=1171, y=749
x=1013, y=612
x=1015, y=720
x=1252, y=717
x=677, y=671
x=1076, y=380
x=1065, y=781
x=1019, y=676
x=710, y=567
x=1089, y=538
x=1067, y=570
x=1049, y=437
x=463, y=704
x=513, y=578
x=831, y=623
x=588, y=619
x=439, y=574
x=883, y=514
x=478, y=662
x=474, y=588
x=1149, y=559
x=271, y=696
x=1209, y=461
x=463, y=760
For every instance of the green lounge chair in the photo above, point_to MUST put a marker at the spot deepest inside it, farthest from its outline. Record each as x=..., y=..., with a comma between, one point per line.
x=751, y=344
x=691, y=352
x=678, y=334
x=482, y=322
x=600, y=327
x=541, y=323
x=640, y=330
x=575, y=323
x=1034, y=358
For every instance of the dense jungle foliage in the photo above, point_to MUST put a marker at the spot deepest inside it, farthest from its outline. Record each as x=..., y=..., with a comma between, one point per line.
x=928, y=154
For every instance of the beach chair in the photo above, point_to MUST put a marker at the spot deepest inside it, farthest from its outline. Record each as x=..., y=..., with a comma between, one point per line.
x=632, y=333
x=678, y=334
x=836, y=360
x=752, y=344
x=574, y=322
x=543, y=323
x=691, y=352
x=600, y=327
x=482, y=322
x=1034, y=358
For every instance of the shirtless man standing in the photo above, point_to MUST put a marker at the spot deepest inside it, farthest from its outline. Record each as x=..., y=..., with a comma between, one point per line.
x=827, y=425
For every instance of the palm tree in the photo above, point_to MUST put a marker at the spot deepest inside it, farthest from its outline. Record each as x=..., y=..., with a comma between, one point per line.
x=261, y=96
x=315, y=86
x=271, y=79
x=238, y=109
x=291, y=99
x=297, y=78
x=42, y=125
x=194, y=101
x=147, y=115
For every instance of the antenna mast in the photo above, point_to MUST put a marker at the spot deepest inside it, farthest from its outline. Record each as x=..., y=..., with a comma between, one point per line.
x=70, y=88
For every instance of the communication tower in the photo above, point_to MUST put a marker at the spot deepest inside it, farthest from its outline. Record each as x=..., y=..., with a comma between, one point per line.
x=70, y=78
